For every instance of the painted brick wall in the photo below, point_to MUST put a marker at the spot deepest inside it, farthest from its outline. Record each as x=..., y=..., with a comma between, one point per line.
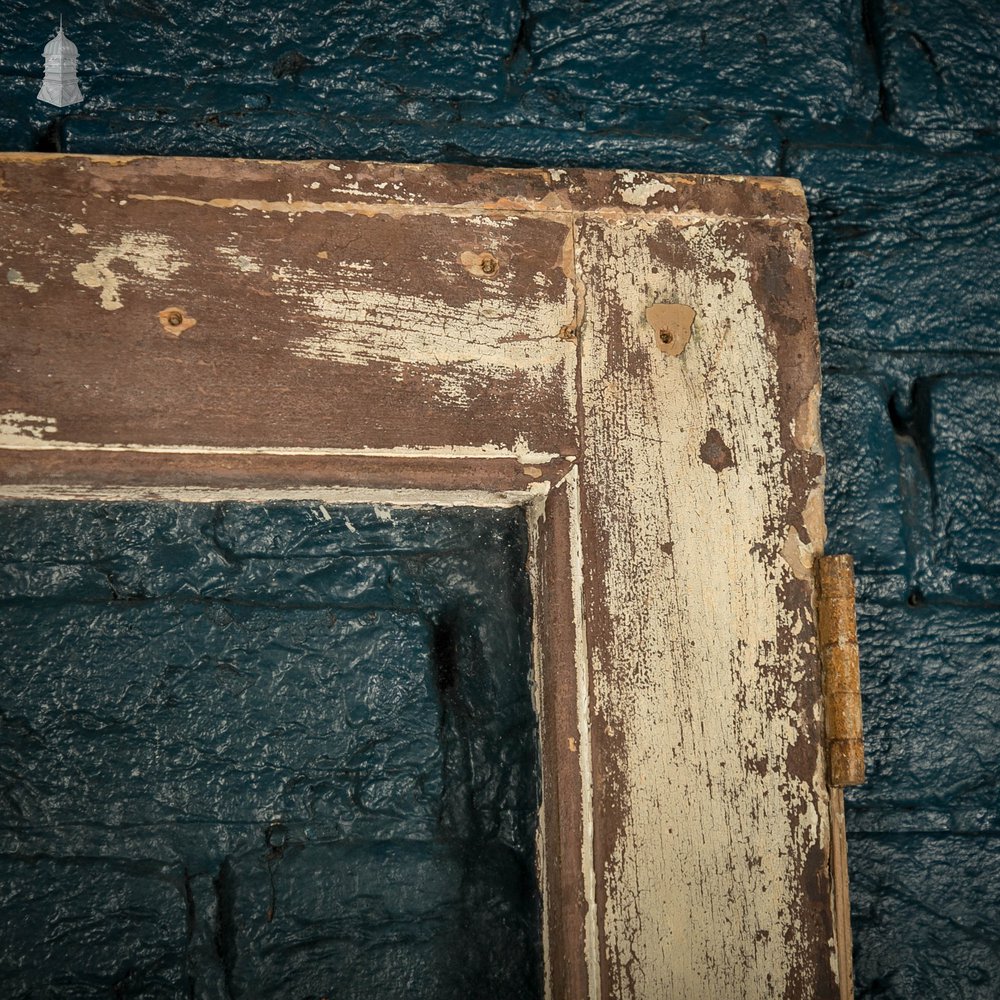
x=888, y=112
x=266, y=752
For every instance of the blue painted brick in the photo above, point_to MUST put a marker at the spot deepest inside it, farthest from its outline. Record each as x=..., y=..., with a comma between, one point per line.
x=368, y=54
x=915, y=935
x=939, y=66
x=862, y=483
x=740, y=145
x=698, y=88
x=654, y=64
x=140, y=900
x=965, y=434
x=344, y=682
x=224, y=79
x=930, y=680
x=902, y=254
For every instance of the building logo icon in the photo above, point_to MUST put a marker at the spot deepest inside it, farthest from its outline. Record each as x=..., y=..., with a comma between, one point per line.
x=60, y=86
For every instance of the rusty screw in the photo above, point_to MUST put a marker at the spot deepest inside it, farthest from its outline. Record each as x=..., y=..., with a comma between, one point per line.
x=488, y=263
x=175, y=318
x=666, y=337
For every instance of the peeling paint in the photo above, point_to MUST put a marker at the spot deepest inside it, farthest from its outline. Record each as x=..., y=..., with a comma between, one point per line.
x=520, y=452
x=638, y=192
x=687, y=649
x=534, y=515
x=797, y=554
x=805, y=423
x=241, y=261
x=715, y=452
x=361, y=325
x=584, y=717
x=151, y=255
x=14, y=277
x=387, y=499
x=20, y=430
x=814, y=521
x=701, y=895
x=300, y=206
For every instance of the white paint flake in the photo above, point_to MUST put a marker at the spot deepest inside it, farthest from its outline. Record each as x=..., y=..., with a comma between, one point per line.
x=634, y=191
x=240, y=260
x=150, y=255
x=20, y=430
x=14, y=277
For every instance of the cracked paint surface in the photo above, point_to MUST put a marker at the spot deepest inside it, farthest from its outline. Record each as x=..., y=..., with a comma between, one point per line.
x=710, y=701
x=148, y=255
x=686, y=634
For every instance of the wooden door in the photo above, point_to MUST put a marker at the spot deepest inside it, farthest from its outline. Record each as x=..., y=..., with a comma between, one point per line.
x=631, y=358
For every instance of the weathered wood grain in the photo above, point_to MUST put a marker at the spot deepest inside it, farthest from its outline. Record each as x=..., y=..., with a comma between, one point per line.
x=322, y=185
x=316, y=324
x=702, y=511
x=841, y=894
x=437, y=334
x=564, y=719
x=135, y=468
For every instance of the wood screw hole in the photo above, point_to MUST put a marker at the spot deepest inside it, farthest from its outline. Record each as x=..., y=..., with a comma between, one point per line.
x=175, y=318
x=666, y=337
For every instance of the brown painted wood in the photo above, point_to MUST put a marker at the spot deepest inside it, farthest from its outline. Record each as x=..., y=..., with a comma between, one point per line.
x=841, y=893
x=315, y=324
x=179, y=327
x=320, y=184
x=556, y=615
x=221, y=470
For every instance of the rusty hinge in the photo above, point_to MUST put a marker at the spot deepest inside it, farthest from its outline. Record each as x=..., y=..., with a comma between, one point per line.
x=838, y=653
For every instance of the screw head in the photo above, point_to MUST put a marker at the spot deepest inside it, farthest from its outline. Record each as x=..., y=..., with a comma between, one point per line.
x=666, y=337
x=175, y=318
x=488, y=263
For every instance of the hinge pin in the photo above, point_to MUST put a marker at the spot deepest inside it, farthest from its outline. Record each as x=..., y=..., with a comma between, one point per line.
x=838, y=653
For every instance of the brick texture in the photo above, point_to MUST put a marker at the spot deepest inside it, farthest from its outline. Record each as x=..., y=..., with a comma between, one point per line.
x=266, y=751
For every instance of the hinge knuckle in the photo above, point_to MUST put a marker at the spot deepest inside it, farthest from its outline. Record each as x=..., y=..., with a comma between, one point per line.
x=838, y=652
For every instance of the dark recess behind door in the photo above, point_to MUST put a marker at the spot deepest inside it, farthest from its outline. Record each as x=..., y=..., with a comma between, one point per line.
x=266, y=751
